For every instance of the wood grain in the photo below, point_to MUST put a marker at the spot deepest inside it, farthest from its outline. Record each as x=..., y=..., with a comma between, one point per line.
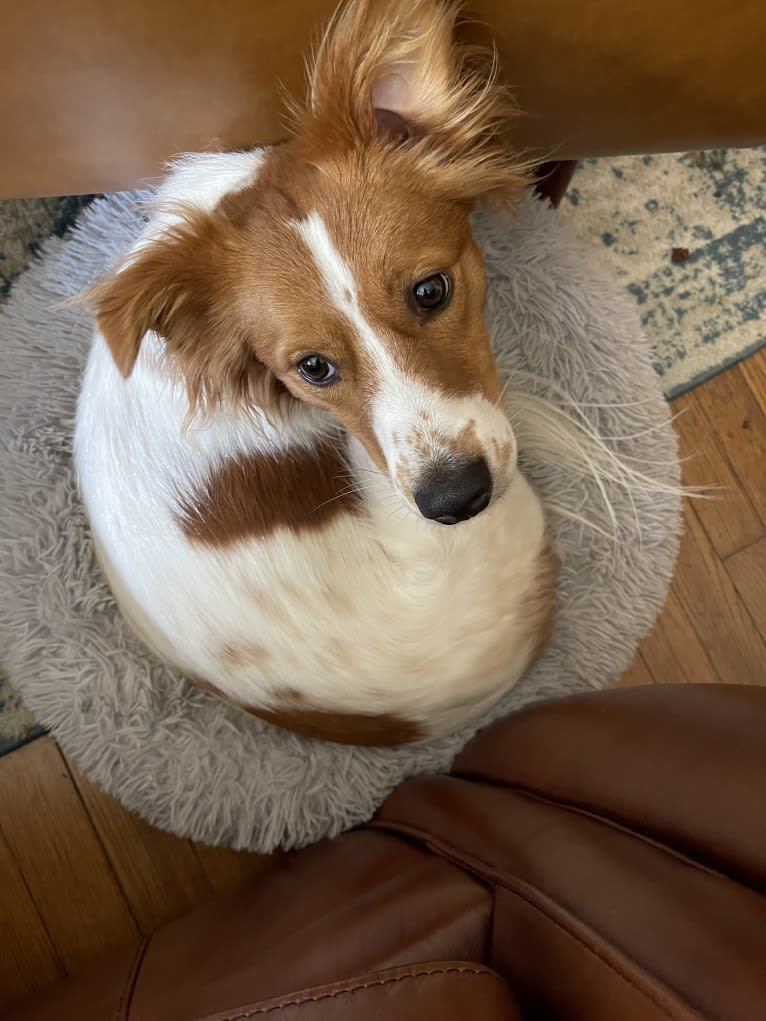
x=638, y=673
x=60, y=858
x=726, y=513
x=754, y=375
x=674, y=653
x=27, y=956
x=739, y=423
x=722, y=624
x=159, y=874
x=747, y=570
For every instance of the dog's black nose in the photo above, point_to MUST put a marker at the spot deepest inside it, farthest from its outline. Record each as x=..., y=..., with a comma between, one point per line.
x=455, y=494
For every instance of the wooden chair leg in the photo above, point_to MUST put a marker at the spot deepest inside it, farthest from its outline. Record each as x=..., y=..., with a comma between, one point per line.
x=553, y=179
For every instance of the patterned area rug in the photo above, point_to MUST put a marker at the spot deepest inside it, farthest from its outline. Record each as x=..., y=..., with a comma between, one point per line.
x=685, y=232
x=687, y=235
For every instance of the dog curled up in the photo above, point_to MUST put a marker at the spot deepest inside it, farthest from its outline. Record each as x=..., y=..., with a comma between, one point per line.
x=291, y=438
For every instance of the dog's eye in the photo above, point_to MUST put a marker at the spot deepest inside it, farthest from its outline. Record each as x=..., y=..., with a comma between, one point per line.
x=433, y=292
x=317, y=370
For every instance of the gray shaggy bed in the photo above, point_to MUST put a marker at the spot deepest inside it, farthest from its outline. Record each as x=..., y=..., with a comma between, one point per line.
x=578, y=367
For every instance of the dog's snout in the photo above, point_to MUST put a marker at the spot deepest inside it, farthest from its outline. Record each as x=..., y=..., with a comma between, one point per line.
x=455, y=494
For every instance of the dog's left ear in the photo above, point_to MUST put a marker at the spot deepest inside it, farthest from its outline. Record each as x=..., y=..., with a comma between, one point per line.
x=398, y=72
x=173, y=286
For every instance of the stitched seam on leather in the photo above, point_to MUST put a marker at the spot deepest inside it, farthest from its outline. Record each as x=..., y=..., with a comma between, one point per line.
x=614, y=823
x=298, y=1001
x=123, y=1007
x=528, y=893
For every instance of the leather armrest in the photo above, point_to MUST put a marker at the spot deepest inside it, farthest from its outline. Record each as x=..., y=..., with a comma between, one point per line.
x=684, y=764
x=344, y=907
x=443, y=991
x=624, y=835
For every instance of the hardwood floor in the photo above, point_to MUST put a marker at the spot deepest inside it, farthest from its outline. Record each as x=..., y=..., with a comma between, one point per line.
x=80, y=875
x=713, y=626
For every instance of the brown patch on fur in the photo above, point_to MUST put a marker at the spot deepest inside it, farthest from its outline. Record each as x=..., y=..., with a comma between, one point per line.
x=432, y=446
x=248, y=654
x=382, y=729
x=502, y=451
x=402, y=475
x=369, y=729
x=467, y=440
x=338, y=600
x=265, y=195
x=375, y=729
x=251, y=496
x=290, y=591
x=292, y=695
x=421, y=443
x=206, y=686
x=265, y=602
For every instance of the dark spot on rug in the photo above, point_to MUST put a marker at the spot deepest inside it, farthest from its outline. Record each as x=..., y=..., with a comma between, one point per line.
x=71, y=208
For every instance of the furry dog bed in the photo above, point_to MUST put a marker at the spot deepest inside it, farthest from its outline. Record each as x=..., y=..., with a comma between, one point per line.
x=578, y=369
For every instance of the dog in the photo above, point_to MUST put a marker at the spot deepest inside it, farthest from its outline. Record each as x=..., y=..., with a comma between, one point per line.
x=291, y=440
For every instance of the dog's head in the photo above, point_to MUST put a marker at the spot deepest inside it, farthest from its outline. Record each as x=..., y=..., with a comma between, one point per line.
x=338, y=269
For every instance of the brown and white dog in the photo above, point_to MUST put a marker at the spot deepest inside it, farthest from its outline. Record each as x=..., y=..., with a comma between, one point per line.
x=291, y=393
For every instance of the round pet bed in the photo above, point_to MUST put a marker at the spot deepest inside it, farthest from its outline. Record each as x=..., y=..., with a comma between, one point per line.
x=578, y=367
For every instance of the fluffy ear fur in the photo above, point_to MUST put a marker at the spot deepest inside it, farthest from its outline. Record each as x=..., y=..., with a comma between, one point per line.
x=173, y=286
x=396, y=71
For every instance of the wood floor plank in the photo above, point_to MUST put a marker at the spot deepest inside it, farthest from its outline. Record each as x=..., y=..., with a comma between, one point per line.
x=637, y=673
x=672, y=651
x=60, y=857
x=740, y=425
x=754, y=374
x=160, y=874
x=227, y=870
x=28, y=959
x=720, y=620
x=726, y=513
x=747, y=569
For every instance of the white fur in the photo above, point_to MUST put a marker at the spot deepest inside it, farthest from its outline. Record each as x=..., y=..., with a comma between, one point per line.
x=203, y=178
x=377, y=613
x=199, y=180
x=404, y=407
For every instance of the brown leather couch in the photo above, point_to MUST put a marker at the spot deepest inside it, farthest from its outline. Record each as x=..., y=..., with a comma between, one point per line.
x=599, y=858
